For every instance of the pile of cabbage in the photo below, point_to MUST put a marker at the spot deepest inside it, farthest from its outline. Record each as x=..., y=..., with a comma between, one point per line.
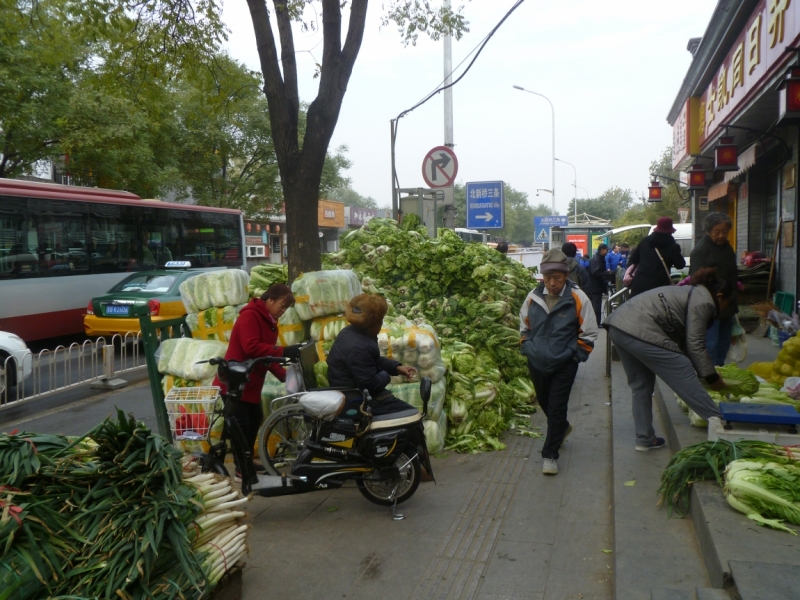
x=264, y=275
x=472, y=295
x=212, y=301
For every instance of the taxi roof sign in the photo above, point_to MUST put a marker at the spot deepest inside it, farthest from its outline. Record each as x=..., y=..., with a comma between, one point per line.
x=178, y=264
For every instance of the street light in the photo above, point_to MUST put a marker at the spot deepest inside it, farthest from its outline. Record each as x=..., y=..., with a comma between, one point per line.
x=585, y=191
x=553, y=154
x=575, y=184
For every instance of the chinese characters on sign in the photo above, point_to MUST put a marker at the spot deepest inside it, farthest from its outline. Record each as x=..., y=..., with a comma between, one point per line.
x=485, y=205
x=361, y=216
x=760, y=47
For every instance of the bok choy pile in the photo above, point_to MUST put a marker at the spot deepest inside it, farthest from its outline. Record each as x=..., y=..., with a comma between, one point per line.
x=472, y=294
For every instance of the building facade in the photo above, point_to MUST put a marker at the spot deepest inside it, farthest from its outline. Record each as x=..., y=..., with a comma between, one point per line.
x=733, y=105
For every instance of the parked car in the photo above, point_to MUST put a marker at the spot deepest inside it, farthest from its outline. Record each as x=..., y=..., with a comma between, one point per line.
x=16, y=361
x=116, y=311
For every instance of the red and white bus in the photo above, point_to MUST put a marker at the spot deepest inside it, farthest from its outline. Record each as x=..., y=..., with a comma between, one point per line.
x=60, y=246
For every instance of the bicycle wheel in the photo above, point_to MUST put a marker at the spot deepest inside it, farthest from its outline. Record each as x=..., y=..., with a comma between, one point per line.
x=379, y=491
x=281, y=438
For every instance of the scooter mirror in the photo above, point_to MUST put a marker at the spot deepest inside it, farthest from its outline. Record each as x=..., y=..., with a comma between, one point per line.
x=425, y=393
x=425, y=388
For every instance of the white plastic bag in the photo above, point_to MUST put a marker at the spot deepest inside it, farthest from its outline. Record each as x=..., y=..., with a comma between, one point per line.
x=294, y=379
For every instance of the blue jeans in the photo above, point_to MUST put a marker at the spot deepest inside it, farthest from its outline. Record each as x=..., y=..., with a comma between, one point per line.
x=718, y=340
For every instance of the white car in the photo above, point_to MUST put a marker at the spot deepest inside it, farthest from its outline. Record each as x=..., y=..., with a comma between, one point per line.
x=16, y=361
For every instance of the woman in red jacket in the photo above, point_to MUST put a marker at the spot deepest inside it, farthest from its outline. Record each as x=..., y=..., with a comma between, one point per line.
x=255, y=334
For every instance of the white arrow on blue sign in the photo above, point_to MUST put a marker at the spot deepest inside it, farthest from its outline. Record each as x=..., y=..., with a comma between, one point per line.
x=485, y=205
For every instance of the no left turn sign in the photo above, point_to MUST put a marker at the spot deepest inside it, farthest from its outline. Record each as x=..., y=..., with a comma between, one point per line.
x=440, y=167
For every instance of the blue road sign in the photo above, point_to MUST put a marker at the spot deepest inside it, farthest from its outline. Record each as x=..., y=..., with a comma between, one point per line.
x=552, y=221
x=485, y=205
x=541, y=231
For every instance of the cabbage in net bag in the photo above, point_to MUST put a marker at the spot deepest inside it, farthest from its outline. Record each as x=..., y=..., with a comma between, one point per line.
x=322, y=293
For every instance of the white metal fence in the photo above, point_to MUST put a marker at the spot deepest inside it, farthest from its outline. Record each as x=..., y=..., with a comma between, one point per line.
x=49, y=371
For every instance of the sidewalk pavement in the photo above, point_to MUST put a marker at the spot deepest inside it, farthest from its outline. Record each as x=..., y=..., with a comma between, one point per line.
x=492, y=528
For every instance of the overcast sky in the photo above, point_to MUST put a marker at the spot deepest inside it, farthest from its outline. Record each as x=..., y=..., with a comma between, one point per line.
x=611, y=68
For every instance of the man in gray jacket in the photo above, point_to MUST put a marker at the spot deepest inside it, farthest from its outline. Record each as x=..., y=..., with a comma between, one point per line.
x=663, y=332
x=558, y=330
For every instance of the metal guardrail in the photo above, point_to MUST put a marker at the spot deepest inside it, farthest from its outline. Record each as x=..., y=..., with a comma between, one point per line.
x=614, y=300
x=66, y=367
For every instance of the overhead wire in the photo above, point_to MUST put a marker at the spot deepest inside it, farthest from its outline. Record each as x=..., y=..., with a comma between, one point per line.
x=479, y=48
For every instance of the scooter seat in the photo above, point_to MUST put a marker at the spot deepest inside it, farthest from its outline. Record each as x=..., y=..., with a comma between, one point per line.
x=324, y=405
x=395, y=419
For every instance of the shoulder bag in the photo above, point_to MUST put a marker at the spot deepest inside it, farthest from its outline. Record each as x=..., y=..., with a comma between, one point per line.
x=666, y=268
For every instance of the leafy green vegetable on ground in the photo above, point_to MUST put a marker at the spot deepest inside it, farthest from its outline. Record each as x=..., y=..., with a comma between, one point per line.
x=707, y=461
x=765, y=490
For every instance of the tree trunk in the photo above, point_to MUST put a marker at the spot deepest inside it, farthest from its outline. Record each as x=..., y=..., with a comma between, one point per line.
x=301, y=168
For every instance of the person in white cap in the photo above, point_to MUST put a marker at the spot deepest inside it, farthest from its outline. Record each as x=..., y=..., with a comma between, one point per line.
x=558, y=330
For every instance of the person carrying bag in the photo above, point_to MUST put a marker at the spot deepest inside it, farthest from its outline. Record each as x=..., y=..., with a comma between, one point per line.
x=653, y=259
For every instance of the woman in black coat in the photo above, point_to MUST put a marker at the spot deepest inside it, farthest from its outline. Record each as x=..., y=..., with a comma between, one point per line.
x=714, y=251
x=652, y=271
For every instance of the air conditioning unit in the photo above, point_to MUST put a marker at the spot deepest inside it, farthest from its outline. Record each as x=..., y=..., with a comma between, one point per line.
x=254, y=251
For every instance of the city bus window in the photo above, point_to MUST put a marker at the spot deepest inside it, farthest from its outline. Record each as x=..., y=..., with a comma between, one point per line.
x=161, y=245
x=18, y=246
x=62, y=245
x=113, y=246
x=229, y=243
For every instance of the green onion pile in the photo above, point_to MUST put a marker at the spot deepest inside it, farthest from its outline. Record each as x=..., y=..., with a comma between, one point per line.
x=109, y=515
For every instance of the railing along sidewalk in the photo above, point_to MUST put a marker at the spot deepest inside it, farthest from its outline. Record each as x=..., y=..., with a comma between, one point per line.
x=65, y=367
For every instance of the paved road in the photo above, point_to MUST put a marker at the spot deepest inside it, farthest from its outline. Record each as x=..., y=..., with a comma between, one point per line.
x=492, y=528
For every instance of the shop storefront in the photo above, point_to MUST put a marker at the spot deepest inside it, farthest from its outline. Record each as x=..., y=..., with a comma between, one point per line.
x=265, y=240
x=735, y=119
x=330, y=219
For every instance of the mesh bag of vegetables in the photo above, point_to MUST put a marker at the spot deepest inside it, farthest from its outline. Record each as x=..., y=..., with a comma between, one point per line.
x=213, y=323
x=435, y=433
x=273, y=388
x=264, y=275
x=409, y=392
x=327, y=328
x=291, y=328
x=322, y=293
x=220, y=288
x=180, y=357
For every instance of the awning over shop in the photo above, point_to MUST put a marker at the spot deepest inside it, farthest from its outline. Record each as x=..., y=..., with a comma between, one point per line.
x=715, y=192
x=746, y=160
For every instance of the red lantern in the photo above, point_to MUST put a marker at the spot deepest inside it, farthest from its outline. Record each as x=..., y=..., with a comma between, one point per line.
x=789, y=95
x=726, y=155
x=249, y=226
x=654, y=191
x=697, y=177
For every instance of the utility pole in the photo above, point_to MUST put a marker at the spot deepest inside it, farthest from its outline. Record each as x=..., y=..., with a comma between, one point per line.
x=449, y=208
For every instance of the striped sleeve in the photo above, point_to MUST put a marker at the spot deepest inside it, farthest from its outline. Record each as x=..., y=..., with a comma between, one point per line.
x=587, y=334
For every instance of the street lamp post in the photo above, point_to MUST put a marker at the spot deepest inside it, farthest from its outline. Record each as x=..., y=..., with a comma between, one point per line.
x=575, y=185
x=553, y=113
x=585, y=191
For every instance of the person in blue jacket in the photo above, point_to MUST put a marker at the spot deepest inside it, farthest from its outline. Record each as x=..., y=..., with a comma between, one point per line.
x=582, y=261
x=624, y=252
x=613, y=259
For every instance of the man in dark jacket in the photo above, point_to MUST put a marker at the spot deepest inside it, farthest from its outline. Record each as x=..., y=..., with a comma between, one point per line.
x=355, y=360
x=557, y=330
x=655, y=257
x=715, y=251
x=598, y=280
x=577, y=274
